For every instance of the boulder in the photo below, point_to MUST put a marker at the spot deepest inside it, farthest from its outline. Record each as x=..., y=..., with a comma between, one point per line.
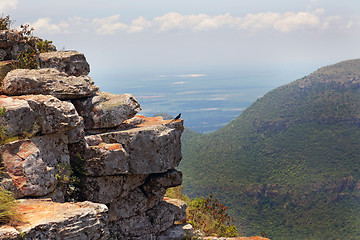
x=178, y=232
x=151, y=223
x=52, y=114
x=48, y=81
x=18, y=117
x=145, y=196
x=106, y=110
x=34, y=167
x=150, y=147
x=71, y=62
x=45, y=219
x=43, y=114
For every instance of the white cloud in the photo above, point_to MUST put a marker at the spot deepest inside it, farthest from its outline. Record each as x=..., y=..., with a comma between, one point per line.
x=109, y=25
x=282, y=22
x=200, y=22
x=6, y=5
x=140, y=24
x=286, y=22
x=44, y=25
x=259, y=21
x=291, y=21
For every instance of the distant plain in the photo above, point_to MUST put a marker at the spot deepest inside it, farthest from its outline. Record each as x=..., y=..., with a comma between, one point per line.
x=208, y=98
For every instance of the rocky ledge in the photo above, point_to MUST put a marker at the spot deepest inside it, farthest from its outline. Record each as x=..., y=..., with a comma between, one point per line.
x=81, y=163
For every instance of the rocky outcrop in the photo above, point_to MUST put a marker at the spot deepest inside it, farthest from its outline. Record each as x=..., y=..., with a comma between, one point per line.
x=107, y=110
x=71, y=62
x=33, y=165
x=48, y=81
x=39, y=114
x=12, y=42
x=66, y=141
x=45, y=219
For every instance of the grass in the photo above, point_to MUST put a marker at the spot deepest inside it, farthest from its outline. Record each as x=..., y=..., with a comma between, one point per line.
x=8, y=206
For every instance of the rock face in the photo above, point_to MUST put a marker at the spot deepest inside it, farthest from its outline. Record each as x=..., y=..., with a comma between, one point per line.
x=33, y=164
x=70, y=62
x=43, y=114
x=64, y=140
x=45, y=219
x=48, y=81
x=107, y=110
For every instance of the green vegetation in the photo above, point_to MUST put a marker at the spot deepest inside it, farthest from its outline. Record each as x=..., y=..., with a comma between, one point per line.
x=28, y=59
x=5, y=22
x=76, y=183
x=8, y=213
x=44, y=46
x=206, y=214
x=289, y=164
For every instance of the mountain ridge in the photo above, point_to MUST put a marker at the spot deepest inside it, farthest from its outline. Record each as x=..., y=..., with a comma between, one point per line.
x=294, y=149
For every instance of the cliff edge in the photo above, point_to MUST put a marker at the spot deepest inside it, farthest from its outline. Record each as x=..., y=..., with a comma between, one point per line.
x=81, y=162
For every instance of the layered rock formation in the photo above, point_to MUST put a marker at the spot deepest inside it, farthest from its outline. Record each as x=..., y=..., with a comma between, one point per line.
x=65, y=141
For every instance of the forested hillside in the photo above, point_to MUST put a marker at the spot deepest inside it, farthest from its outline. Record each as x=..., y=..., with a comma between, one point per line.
x=289, y=164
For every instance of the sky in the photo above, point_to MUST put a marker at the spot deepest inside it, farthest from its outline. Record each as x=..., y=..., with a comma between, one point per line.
x=130, y=35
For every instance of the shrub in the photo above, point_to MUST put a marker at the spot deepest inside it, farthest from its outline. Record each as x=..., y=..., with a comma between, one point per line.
x=28, y=59
x=8, y=213
x=5, y=22
x=44, y=46
x=206, y=214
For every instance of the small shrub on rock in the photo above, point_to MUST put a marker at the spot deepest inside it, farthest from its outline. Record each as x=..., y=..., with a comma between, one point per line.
x=5, y=23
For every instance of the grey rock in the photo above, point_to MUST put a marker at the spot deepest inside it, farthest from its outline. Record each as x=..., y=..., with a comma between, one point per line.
x=108, y=188
x=40, y=114
x=52, y=114
x=177, y=232
x=35, y=167
x=118, y=152
x=48, y=81
x=19, y=117
x=106, y=110
x=101, y=159
x=9, y=38
x=50, y=220
x=145, y=196
x=13, y=43
x=71, y=62
x=151, y=223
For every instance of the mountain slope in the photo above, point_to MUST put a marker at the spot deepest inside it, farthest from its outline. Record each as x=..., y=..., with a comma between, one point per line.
x=289, y=165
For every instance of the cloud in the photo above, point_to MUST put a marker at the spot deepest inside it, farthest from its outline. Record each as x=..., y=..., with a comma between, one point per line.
x=286, y=22
x=172, y=21
x=140, y=24
x=45, y=25
x=200, y=22
x=6, y=5
x=109, y=25
x=291, y=21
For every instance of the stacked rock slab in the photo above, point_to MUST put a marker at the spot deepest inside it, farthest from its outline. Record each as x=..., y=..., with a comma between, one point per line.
x=57, y=123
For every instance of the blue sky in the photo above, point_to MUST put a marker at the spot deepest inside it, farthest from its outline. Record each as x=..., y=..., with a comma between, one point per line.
x=136, y=34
